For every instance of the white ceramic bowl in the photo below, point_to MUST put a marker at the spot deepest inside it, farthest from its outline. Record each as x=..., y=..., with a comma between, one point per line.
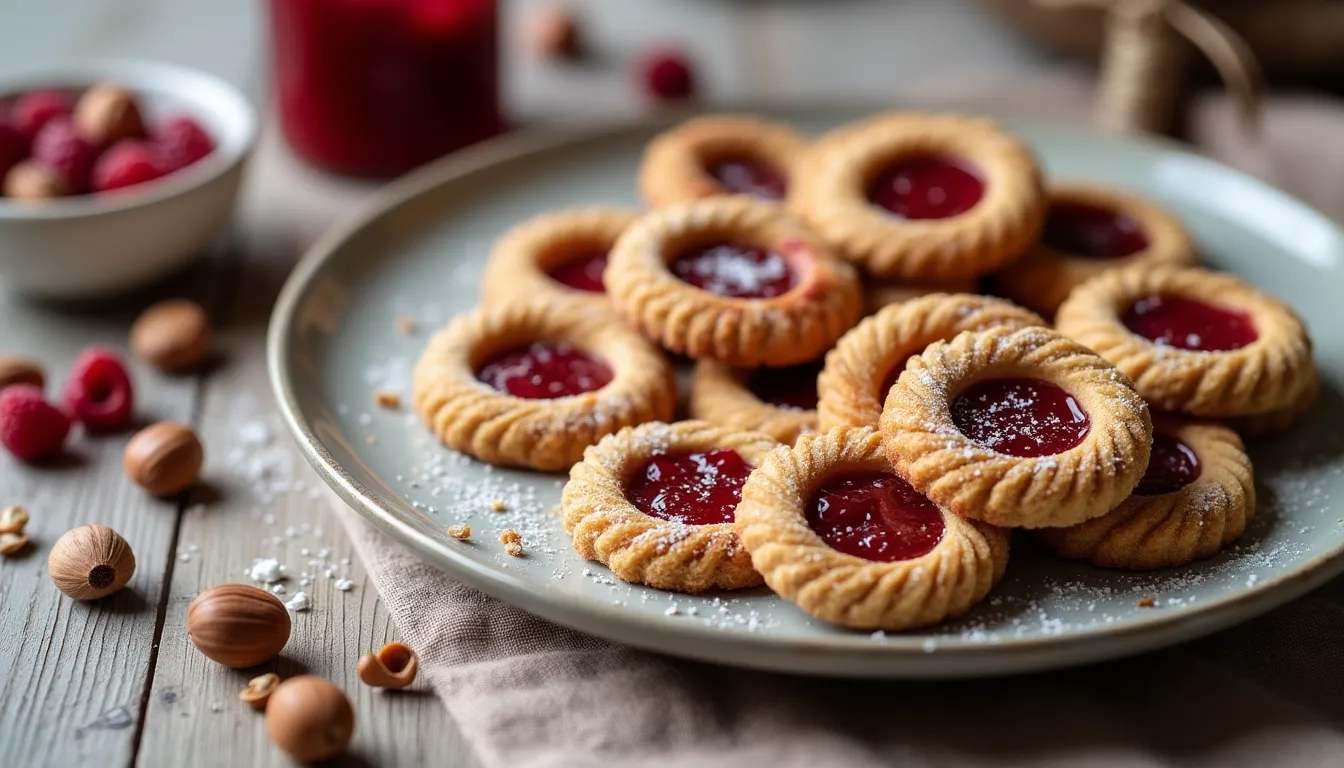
x=92, y=245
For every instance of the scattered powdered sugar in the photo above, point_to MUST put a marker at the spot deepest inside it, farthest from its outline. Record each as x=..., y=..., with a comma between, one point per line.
x=299, y=602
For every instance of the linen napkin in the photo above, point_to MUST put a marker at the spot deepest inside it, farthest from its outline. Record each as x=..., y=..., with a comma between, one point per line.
x=528, y=693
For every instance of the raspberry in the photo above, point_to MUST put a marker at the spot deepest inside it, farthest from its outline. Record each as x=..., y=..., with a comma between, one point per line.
x=668, y=75
x=34, y=109
x=60, y=147
x=181, y=142
x=99, y=393
x=31, y=428
x=126, y=164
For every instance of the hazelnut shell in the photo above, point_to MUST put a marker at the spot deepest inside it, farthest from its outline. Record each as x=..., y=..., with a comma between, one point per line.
x=164, y=458
x=90, y=562
x=172, y=335
x=238, y=625
x=394, y=666
x=310, y=719
x=20, y=370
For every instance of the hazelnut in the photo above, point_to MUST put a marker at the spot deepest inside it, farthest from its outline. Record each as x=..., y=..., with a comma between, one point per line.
x=172, y=335
x=394, y=666
x=13, y=519
x=32, y=181
x=20, y=370
x=90, y=562
x=310, y=719
x=12, y=543
x=259, y=690
x=108, y=113
x=555, y=34
x=238, y=625
x=164, y=458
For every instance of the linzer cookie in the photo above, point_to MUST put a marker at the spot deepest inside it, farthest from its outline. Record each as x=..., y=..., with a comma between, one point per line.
x=720, y=155
x=656, y=505
x=831, y=528
x=1019, y=428
x=534, y=384
x=915, y=196
x=735, y=280
x=1194, y=341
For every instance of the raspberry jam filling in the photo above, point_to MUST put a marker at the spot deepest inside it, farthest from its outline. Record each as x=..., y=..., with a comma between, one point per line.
x=544, y=370
x=877, y=517
x=690, y=488
x=927, y=188
x=1175, y=321
x=735, y=271
x=793, y=388
x=582, y=271
x=1020, y=417
x=748, y=177
x=1172, y=466
x=1092, y=232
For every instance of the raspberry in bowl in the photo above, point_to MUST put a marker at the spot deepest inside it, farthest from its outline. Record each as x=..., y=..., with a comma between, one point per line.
x=114, y=174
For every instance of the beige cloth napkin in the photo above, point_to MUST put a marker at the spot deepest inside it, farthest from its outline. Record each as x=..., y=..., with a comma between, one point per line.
x=528, y=693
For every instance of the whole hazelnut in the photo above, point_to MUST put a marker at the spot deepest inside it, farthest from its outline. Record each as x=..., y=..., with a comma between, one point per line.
x=31, y=181
x=20, y=370
x=164, y=458
x=172, y=335
x=90, y=562
x=310, y=719
x=555, y=33
x=238, y=625
x=108, y=113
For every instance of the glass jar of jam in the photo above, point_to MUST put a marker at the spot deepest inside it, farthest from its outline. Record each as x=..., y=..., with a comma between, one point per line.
x=377, y=87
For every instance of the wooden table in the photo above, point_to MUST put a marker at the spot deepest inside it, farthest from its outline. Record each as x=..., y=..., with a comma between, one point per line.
x=117, y=682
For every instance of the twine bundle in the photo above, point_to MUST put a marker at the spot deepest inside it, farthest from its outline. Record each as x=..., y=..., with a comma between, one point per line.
x=1146, y=56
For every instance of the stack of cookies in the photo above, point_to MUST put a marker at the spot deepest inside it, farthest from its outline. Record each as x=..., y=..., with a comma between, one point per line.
x=869, y=469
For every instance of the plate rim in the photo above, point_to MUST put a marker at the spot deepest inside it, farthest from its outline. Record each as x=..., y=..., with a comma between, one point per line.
x=898, y=656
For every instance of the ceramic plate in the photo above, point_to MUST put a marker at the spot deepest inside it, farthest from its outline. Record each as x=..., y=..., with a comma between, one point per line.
x=418, y=250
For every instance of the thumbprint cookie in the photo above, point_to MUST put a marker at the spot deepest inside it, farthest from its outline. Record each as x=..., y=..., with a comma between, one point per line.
x=656, y=504
x=866, y=361
x=922, y=196
x=883, y=293
x=781, y=402
x=1090, y=230
x=1194, y=341
x=559, y=255
x=1194, y=499
x=735, y=280
x=533, y=385
x=1261, y=425
x=720, y=155
x=833, y=530
x=1019, y=428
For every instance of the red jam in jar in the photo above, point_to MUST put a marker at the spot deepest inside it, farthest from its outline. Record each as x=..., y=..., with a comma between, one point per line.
x=377, y=87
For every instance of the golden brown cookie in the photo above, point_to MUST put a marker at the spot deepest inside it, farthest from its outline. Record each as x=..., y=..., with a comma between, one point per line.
x=1019, y=428
x=1091, y=229
x=866, y=361
x=916, y=196
x=833, y=530
x=720, y=155
x=655, y=503
x=781, y=402
x=1194, y=341
x=882, y=293
x=733, y=279
x=534, y=384
x=1195, y=498
x=558, y=255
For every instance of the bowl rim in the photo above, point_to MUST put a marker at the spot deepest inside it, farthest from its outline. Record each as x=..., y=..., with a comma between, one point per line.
x=207, y=93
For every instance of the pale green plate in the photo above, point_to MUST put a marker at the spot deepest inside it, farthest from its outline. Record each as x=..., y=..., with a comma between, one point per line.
x=418, y=250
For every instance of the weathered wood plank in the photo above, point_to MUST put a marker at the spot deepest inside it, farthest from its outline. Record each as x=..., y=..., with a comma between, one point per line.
x=265, y=502
x=72, y=675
